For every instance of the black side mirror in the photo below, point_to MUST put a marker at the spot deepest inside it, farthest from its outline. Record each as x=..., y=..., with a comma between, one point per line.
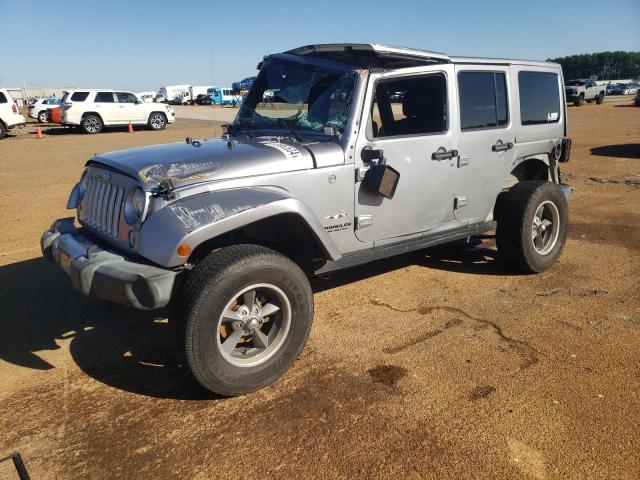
x=382, y=179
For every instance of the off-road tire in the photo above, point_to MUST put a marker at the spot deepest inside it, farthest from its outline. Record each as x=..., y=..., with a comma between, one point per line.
x=91, y=124
x=515, y=211
x=157, y=121
x=43, y=116
x=600, y=99
x=579, y=101
x=204, y=295
x=3, y=130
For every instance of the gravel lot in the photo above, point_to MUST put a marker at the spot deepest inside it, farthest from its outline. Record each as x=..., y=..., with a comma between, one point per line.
x=439, y=364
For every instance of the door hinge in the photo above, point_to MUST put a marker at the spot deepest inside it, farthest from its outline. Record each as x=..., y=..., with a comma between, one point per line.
x=363, y=221
x=459, y=202
x=360, y=173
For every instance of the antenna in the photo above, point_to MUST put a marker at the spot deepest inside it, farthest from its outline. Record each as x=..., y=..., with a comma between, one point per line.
x=213, y=107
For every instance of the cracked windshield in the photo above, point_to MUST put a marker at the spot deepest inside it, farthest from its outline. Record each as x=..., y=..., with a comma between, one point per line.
x=296, y=96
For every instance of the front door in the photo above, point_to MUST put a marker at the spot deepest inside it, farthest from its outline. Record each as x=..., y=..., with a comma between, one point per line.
x=485, y=139
x=128, y=108
x=407, y=118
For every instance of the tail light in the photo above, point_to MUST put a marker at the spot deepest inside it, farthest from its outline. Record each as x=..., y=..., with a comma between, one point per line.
x=566, y=150
x=14, y=108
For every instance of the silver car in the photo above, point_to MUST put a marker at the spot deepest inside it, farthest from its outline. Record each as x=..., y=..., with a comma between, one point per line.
x=365, y=151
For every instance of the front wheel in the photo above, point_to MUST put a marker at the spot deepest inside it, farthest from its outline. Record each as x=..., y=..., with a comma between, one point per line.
x=241, y=319
x=43, y=116
x=533, y=218
x=600, y=99
x=157, y=121
x=579, y=101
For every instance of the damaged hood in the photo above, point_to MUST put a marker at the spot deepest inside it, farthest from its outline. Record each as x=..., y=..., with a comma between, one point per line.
x=217, y=159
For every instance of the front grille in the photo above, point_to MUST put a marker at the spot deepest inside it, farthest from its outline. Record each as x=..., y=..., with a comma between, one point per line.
x=102, y=205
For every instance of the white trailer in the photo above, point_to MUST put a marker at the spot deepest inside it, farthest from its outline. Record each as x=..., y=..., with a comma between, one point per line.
x=189, y=96
x=146, y=97
x=168, y=93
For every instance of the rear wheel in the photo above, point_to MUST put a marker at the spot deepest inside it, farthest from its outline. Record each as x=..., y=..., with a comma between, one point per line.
x=533, y=218
x=157, y=121
x=3, y=130
x=92, y=124
x=600, y=98
x=241, y=318
x=43, y=117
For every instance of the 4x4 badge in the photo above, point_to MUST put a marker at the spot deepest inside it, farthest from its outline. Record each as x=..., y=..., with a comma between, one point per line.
x=335, y=216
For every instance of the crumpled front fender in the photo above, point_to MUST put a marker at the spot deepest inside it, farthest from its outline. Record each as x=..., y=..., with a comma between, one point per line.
x=199, y=218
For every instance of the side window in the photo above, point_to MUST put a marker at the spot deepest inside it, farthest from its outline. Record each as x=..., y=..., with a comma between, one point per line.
x=539, y=98
x=104, y=97
x=409, y=106
x=483, y=100
x=3, y=98
x=125, y=97
x=79, y=96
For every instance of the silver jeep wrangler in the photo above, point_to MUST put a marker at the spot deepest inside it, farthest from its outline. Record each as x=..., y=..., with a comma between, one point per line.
x=340, y=155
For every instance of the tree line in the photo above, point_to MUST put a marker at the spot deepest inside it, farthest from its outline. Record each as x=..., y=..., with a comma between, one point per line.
x=603, y=65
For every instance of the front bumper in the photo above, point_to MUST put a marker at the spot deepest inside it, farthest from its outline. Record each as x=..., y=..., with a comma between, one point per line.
x=103, y=273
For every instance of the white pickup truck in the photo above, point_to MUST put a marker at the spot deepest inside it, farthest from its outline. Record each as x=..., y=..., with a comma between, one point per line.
x=584, y=90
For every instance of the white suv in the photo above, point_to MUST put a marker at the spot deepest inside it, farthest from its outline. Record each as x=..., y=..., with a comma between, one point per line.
x=9, y=116
x=93, y=109
x=40, y=109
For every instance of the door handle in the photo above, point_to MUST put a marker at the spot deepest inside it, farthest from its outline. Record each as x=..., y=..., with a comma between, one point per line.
x=502, y=147
x=442, y=154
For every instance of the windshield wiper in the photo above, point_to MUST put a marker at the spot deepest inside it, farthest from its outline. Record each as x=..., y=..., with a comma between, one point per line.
x=294, y=133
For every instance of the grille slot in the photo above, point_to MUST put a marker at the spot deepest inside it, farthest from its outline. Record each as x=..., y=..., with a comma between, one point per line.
x=103, y=205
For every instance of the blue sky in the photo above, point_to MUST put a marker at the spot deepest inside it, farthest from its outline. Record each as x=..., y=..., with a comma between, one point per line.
x=143, y=45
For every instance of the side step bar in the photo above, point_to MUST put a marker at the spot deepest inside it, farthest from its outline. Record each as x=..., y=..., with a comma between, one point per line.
x=385, y=251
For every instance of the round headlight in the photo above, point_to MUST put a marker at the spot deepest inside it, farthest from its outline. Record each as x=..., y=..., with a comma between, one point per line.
x=135, y=205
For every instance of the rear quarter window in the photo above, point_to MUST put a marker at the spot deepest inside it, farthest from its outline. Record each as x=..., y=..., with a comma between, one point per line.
x=539, y=98
x=3, y=98
x=79, y=96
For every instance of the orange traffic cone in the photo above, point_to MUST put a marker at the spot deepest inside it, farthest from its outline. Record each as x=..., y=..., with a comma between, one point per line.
x=39, y=133
x=130, y=128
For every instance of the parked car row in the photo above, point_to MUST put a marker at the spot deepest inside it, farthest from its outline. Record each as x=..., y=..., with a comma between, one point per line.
x=630, y=88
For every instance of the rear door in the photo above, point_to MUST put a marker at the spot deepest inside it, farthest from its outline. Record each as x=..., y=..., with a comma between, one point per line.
x=107, y=107
x=485, y=139
x=5, y=106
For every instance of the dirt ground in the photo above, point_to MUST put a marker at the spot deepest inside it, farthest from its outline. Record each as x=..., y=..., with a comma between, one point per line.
x=439, y=364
